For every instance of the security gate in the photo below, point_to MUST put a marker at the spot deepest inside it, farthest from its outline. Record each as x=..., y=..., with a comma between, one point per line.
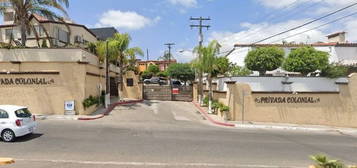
x=168, y=93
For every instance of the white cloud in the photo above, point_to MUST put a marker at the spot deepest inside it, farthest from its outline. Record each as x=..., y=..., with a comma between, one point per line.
x=126, y=20
x=184, y=3
x=185, y=55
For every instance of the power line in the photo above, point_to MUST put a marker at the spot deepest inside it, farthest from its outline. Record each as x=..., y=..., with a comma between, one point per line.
x=279, y=18
x=317, y=27
x=310, y=22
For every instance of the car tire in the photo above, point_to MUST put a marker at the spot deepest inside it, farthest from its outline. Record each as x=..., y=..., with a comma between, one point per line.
x=8, y=135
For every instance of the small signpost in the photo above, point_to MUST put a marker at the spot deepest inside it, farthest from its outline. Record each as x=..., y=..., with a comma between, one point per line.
x=69, y=108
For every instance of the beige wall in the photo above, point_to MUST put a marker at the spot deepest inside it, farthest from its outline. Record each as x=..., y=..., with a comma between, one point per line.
x=132, y=92
x=72, y=80
x=334, y=109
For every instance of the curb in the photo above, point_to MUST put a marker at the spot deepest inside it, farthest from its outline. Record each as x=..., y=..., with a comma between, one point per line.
x=205, y=114
x=6, y=161
x=109, y=110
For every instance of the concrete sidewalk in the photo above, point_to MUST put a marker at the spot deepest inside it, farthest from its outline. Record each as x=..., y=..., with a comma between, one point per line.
x=219, y=121
x=95, y=115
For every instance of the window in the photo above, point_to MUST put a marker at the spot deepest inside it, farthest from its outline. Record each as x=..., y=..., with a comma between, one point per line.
x=23, y=113
x=3, y=114
x=130, y=82
x=38, y=29
x=61, y=35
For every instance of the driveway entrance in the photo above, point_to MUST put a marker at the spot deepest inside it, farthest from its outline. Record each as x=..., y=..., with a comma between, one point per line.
x=168, y=93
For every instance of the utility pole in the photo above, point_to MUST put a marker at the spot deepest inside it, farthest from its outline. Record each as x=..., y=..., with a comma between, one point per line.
x=200, y=73
x=169, y=46
x=147, y=58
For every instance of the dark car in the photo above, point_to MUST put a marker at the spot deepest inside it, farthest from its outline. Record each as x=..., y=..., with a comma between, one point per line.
x=156, y=80
x=176, y=83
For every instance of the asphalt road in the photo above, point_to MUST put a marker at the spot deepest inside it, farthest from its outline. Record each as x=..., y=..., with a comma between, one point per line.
x=169, y=134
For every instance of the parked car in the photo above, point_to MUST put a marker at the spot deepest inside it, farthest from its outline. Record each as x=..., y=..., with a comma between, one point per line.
x=176, y=83
x=15, y=121
x=156, y=80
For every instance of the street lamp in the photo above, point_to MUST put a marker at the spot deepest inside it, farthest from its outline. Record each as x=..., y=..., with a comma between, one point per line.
x=107, y=77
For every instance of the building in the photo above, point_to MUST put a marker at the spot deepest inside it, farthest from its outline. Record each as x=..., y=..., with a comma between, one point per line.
x=104, y=33
x=162, y=64
x=46, y=80
x=339, y=49
x=55, y=33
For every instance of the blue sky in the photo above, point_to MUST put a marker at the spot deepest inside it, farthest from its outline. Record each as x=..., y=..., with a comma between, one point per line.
x=151, y=23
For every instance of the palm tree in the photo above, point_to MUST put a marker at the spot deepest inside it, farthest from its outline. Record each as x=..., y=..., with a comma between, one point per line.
x=24, y=9
x=131, y=54
x=206, y=64
x=119, y=52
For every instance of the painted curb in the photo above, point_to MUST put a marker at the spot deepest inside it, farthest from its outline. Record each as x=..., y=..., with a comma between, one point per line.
x=205, y=114
x=6, y=161
x=109, y=110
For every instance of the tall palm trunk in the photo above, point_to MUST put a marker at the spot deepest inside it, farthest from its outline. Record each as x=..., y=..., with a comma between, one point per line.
x=210, y=94
x=23, y=33
x=47, y=36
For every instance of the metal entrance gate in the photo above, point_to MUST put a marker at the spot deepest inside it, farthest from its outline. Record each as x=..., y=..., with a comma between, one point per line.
x=168, y=93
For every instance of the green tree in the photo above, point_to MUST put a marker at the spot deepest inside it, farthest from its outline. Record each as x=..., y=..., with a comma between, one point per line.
x=147, y=75
x=44, y=43
x=118, y=52
x=306, y=60
x=207, y=63
x=236, y=70
x=153, y=69
x=181, y=71
x=222, y=66
x=24, y=9
x=264, y=59
x=334, y=71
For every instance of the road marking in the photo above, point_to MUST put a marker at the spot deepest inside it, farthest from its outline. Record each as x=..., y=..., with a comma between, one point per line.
x=161, y=164
x=179, y=118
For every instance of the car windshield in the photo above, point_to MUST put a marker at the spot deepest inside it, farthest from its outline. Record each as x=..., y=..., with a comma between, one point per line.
x=23, y=113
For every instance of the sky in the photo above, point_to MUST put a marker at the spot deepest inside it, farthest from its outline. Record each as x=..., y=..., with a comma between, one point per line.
x=152, y=23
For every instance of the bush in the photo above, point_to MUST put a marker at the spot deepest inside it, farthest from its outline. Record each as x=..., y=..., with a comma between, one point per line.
x=205, y=100
x=306, y=60
x=91, y=100
x=146, y=75
x=44, y=43
x=335, y=71
x=215, y=106
x=322, y=161
x=264, y=59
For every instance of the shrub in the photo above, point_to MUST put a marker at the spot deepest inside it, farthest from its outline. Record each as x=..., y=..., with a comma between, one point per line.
x=334, y=71
x=146, y=75
x=44, y=44
x=91, y=100
x=205, y=100
x=322, y=161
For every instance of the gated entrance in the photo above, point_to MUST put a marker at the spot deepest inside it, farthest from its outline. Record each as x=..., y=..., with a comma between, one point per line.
x=168, y=93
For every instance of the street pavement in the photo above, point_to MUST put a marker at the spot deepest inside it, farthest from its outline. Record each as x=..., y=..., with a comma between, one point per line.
x=169, y=134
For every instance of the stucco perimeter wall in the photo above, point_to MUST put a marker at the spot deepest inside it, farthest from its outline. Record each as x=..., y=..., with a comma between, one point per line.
x=64, y=81
x=334, y=109
x=135, y=91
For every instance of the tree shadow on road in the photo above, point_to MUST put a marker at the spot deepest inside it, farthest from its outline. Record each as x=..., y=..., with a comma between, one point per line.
x=139, y=105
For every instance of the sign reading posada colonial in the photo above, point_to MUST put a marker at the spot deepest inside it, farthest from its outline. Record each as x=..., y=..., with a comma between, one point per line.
x=289, y=100
x=26, y=81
